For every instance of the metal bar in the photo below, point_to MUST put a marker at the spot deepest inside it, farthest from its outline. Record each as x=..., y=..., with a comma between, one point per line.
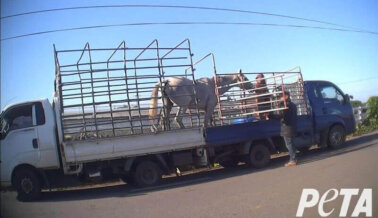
x=127, y=88
x=77, y=83
x=93, y=97
x=249, y=81
x=199, y=61
x=136, y=80
x=81, y=86
x=58, y=87
x=254, y=104
x=109, y=95
x=175, y=48
x=194, y=81
x=121, y=61
x=112, y=49
x=165, y=122
x=254, y=96
x=100, y=81
x=283, y=91
x=251, y=113
x=217, y=92
x=303, y=89
x=255, y=73
x=69, y=72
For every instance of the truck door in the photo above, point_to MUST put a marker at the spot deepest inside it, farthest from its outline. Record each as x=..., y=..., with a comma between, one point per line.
x=19, y=141
x=332, y=107
x=45, y=127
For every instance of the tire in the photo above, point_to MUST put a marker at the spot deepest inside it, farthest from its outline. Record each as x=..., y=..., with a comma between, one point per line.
x=229, y=163
x=259, y=156
x=336, y=137
x=147, y=173
x=28, y=184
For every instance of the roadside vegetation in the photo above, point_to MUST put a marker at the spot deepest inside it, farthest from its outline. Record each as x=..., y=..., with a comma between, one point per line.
x=370, y=124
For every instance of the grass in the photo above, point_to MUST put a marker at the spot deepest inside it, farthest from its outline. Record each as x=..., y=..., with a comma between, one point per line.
x=366, y=127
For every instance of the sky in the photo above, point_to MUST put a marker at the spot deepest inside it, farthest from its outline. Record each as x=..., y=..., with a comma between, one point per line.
x=350, y=60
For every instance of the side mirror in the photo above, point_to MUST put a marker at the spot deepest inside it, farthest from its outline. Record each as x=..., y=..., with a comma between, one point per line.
x=347, y=98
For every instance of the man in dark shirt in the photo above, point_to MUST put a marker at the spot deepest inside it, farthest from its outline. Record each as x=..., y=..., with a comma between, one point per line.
x=289, y=127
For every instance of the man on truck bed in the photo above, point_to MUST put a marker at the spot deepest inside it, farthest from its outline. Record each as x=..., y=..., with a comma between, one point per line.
x=289, y=127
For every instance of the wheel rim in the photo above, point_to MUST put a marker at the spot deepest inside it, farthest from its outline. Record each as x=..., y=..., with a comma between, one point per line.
x=149, y=176
x=259, y=156
x=27, y=185
x=336, y=138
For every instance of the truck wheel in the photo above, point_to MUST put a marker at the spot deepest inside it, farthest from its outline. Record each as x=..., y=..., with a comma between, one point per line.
x=229, y=163
x=147, y=173
x=259, y=156
x=28, y=184
x=336, y=136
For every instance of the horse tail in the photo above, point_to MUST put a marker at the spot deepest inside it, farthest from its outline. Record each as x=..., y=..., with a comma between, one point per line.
x=153, y=104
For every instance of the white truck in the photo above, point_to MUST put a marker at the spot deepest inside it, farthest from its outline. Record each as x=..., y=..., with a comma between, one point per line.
x=93, y=129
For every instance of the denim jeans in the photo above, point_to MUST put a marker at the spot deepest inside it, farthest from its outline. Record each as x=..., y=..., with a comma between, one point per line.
x=290, y=147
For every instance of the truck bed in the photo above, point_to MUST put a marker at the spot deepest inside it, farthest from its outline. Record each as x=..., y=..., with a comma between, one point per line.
x=133, y=145
x=236, y=133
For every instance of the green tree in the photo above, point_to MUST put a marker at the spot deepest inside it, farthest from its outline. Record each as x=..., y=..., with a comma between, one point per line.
x=372, y=112
x=371, y=122
x=356, y=103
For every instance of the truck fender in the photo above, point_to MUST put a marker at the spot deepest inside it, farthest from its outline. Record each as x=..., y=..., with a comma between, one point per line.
x=335, y=120
x=129, y=164
x=245, y=147
x=271, y=146
x=41, y=174
x=162, y=161
x=323, y=133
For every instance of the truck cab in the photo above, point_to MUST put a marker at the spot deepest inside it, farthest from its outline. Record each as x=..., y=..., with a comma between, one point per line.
x=28, y=138
x=332, y=112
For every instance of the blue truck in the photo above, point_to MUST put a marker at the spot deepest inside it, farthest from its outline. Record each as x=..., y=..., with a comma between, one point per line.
x=328, y=121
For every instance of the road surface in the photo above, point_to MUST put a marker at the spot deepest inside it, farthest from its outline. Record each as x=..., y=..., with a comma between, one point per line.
x=242, y=192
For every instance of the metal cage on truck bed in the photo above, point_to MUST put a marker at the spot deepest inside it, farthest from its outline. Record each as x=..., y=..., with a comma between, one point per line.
x=106, y=92
x=242, y=104
x=264, y=99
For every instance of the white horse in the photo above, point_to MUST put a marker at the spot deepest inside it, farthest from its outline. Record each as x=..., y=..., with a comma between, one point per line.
x=179, y=91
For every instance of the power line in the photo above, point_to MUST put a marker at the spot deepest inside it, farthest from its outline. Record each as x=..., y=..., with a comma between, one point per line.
x=185, y=23
x=360, y=80
x=180, y=7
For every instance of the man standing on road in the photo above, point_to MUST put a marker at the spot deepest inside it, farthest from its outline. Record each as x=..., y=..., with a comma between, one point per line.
x=289, y=127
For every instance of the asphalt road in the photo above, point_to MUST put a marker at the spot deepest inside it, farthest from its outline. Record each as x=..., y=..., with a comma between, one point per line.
x=242, y=192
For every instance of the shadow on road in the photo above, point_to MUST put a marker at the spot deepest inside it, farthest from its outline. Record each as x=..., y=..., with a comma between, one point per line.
x=204, y=176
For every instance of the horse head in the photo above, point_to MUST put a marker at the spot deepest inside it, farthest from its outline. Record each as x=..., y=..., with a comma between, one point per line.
x=240, y=77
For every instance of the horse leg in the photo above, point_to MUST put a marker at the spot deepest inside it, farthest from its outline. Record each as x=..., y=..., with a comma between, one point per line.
x=179, y=114
x=209, y=115
x=212, y=121
x=166, y=122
